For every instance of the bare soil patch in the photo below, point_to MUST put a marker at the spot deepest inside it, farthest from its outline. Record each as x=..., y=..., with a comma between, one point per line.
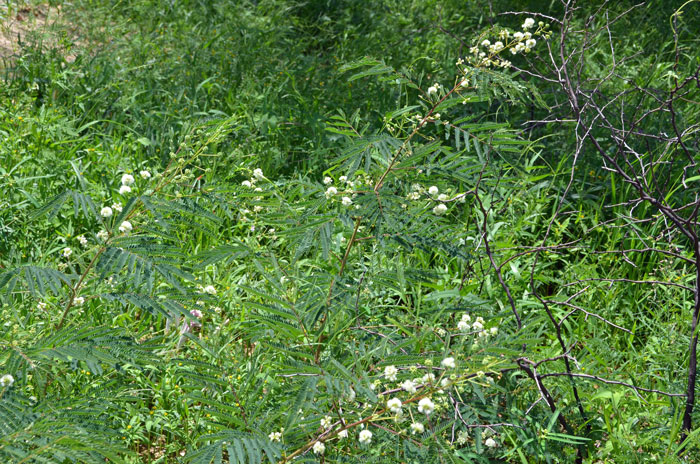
x=38, y=22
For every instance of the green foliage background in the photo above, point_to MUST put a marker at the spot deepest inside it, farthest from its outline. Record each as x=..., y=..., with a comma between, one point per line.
x=314, y=298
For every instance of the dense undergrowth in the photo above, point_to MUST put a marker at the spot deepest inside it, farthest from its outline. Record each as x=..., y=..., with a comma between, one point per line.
x=278, y=231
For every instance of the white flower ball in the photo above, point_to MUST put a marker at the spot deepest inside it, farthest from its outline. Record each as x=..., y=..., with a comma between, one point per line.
x=125, y=227
x=319, y=447
x=326, y=422
x=440, y=209
x=409, y=386
x=417, y=427
x=529, y=22
x=365, y=437
x=106, y=212
x=394, y=405
x=6, y=380
x=390, y=373
x=426, y=406
x=127, y=179
x=210, y=290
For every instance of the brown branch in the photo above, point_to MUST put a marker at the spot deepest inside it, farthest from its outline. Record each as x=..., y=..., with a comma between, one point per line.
x=613, y=382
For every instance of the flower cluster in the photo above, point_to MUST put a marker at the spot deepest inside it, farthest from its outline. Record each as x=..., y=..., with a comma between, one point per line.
x=433, y=192
x=127, y=182
x=347, y=189
x=411, y=398
x=486, y=53
x=394, y=405
x=465, y=324
x=416, y=190
x=257, y=176
x=252, y=183
x=417, y=401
